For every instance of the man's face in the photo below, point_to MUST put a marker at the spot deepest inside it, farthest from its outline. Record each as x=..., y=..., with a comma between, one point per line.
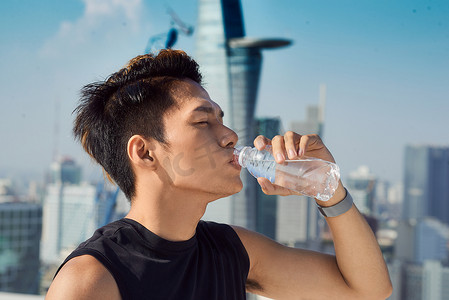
x=200, y=156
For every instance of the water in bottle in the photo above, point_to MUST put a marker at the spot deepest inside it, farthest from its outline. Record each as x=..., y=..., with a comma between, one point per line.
x=309, y=176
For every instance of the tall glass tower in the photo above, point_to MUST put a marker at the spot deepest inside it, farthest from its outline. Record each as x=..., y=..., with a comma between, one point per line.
x=266, y=205
x=231, y=66
x=20, y=234
x=426, y=182
x=298, y=221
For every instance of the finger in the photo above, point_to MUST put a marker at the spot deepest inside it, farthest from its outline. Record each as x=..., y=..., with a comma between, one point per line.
x=278, y=145
x=264, y=185
x=291, y=140
x=273, y=189
x=261, y=142
x=307, y=142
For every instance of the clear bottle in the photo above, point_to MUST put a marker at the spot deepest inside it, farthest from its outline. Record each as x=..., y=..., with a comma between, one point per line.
x=309, y=176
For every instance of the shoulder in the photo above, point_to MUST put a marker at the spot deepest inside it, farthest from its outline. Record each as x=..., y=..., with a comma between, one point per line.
x=260, y=248
x=225, y=238
x=253, y=239
x=218, y=232
x=212, y=226
x=83, y=277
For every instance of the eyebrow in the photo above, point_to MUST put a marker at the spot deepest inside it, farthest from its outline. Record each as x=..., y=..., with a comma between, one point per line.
x=208, y=110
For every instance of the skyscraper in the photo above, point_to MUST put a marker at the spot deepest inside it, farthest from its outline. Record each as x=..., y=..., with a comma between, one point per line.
x=231, y=66
x=429, y=280
x=69, y=219
x=65, y=171
x=20, y=233
x=421, y=240
x=297, y=216
x=426, y=183
x=361, y=184
x=68, y=212
x=266, y=205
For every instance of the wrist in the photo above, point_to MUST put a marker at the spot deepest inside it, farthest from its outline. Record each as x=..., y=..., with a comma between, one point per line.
x=339, y=195
x=338, y=208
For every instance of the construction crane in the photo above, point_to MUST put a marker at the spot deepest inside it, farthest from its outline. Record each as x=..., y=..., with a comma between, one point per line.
x=105, y=202
x=171, y=37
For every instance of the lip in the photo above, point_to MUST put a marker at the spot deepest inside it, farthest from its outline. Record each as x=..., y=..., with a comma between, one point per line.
x=235, y=163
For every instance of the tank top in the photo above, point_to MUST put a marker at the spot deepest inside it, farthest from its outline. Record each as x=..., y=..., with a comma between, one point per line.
x=213, y=264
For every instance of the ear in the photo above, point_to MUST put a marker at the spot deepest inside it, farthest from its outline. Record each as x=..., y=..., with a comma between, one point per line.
x=140, y=152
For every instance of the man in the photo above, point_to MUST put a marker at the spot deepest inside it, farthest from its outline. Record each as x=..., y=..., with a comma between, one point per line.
x=146, y=126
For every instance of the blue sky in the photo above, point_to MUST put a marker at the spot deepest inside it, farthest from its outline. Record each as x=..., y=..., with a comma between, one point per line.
x=385, y=65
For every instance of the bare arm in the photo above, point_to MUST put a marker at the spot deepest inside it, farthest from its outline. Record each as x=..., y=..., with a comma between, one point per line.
x=357, y=271
x=83, y=277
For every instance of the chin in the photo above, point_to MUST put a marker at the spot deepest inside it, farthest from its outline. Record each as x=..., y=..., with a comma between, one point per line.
x=228, y=191
x=235, y=188
x=240, y=187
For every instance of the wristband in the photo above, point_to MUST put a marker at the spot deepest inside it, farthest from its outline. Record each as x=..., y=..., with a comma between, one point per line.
x=337, y=209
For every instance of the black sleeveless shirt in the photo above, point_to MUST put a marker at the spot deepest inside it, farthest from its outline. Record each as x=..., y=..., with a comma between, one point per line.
x=213, y=264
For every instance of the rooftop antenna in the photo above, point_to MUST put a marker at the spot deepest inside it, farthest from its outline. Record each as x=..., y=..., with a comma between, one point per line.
x=322, y=103
x=321, y=109
x=56, y=130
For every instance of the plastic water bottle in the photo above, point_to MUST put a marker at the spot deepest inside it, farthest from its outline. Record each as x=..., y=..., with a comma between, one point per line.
x=309, y=176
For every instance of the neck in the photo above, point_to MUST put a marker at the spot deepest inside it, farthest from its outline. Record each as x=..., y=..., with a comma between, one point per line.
x=172, y=215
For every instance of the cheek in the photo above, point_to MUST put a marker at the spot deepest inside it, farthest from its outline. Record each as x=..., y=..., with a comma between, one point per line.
x=202, y=155
x=183, y=165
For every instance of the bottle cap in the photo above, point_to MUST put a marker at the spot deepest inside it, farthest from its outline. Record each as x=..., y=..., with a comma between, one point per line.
x=241, y=151
x=236, y=153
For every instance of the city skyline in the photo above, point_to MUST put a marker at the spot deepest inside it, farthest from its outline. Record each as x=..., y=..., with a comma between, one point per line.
x=385, y=66
x=381, y=67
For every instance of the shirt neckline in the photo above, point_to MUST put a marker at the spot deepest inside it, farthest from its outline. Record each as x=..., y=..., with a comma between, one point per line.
x=156, y=242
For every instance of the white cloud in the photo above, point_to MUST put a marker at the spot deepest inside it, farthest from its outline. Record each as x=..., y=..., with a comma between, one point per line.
x=103, y=21
x=107, y=7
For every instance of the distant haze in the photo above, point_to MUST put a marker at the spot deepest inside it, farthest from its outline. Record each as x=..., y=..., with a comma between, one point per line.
x=385, y=65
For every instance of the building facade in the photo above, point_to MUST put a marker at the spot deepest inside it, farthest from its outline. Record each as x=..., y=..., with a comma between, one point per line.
x=20, y=234
x=426, y=281
x=68, y=211
x=421, y=240
x=426, y=178
x=231, y=66
x=298, y=220
x=266, y=205
x=362, y=186
x=69, y=219
x=66, y=170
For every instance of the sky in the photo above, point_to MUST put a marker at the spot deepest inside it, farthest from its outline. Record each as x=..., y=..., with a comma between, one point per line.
x=385, y=65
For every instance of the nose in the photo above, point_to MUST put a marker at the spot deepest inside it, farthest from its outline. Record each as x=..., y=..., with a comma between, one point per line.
x=229, y=138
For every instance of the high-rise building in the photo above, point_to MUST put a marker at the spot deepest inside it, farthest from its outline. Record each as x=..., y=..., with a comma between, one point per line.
x=395, y=271
x=65, y=171
x=412, y=282
x=421, y=240
x=7, y=193
x=298, y=221
x=69, y=219
x=426, y=178
x=231, y=66
x=68, y=211
x=429, y=280
x=20, y=234
x=73, y=209
x=110, y=204
x=362, y=186
x=266, y=205
x=432, y=238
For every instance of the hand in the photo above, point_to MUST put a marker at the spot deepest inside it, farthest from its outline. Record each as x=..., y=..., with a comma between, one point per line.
x=291, y=146
x=294, y=146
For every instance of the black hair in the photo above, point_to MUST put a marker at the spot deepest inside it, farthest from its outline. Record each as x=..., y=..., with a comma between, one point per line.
x=131, y=101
